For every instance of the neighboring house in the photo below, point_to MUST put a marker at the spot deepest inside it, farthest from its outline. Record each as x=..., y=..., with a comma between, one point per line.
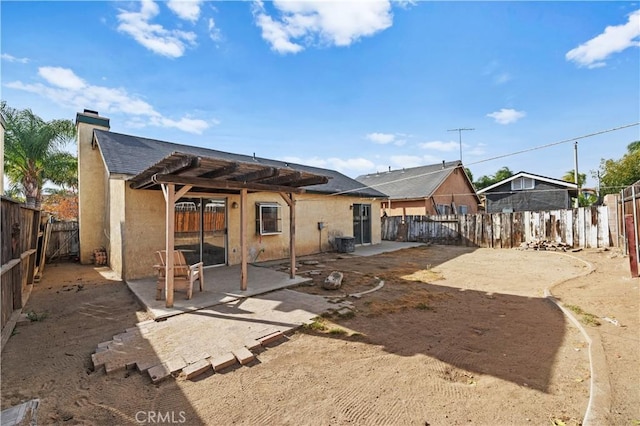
x=427, y=190
x=127, y=183
x=528, y=192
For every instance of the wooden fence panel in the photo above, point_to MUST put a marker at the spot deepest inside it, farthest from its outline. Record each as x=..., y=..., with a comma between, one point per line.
x=19, y=236
x=583, y=227
x=63, y=240
x=603, y=232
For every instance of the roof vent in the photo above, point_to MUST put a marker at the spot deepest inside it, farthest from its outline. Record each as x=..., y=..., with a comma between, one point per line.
x=90, y=111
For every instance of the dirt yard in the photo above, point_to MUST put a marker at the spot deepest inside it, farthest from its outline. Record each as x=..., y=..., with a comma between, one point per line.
x=455, y=336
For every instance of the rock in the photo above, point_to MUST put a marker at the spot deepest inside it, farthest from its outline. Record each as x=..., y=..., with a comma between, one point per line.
x=333, y=281
x=310, y=262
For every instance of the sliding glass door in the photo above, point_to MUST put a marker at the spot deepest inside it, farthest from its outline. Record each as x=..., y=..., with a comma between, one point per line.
x=200, y=230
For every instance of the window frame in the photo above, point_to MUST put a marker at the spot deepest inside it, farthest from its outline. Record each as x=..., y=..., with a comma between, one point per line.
x=261, y=221
x=522, y=184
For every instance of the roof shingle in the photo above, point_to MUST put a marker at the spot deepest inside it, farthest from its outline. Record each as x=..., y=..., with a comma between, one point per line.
x=130, y=155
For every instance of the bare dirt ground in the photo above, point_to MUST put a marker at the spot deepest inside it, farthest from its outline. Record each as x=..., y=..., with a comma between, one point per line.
x=455, y=336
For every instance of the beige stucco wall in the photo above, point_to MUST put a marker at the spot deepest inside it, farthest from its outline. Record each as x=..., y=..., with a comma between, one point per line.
x=115, y=217
x=92, y=188
x=143, y=231
x=143, y=227
x=334, y=211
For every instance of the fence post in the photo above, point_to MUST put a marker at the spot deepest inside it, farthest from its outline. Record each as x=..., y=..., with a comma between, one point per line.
x=632, y=239
x=635, y=226
x=624, y=224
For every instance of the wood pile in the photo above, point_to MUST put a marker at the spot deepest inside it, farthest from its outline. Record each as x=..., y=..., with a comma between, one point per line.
x=100, y=256
x=545, y=245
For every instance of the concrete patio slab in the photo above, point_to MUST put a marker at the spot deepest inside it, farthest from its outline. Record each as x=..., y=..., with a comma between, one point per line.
x=222, y=285
x=212, y=334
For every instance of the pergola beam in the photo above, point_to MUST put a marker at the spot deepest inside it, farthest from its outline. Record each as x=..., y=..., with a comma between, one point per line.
x=315, y=180
x=283, y=179
x=222, y=184
x=179, y=165
x=257, y=175
x=222, y=171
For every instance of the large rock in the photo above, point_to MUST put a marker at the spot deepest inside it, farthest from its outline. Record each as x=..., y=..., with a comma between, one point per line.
x=333, y=281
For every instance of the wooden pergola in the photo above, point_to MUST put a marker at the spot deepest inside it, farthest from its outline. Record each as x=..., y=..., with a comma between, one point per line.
x=181, y=173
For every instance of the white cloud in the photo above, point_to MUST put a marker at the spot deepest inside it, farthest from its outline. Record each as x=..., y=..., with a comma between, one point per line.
x=476, y=150
x=62, y=77
x=381, y=138
x=214, y=32
x=335, y=23
x=170, y=43
x=407, y=161
x=65, y=88
x=189, y=10
x=614, y=39
x=440, y=146
x=11, y=58
x=507, y=115
x=386, y=138
x=349, y=166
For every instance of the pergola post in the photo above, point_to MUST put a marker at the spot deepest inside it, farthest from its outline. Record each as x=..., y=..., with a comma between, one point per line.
x=292, y=235
x=291, y=202
x=243, y=238
x=170, y=198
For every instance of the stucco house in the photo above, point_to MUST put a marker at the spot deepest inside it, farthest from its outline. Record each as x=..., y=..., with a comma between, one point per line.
x=221, y=208
x=528, y=192
x=442, y=188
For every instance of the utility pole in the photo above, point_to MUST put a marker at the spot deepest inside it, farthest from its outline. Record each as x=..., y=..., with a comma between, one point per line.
x=575, y=171
x=459, y=138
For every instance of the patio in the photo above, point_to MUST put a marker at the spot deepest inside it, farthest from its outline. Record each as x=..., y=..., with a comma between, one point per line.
x=221, y=285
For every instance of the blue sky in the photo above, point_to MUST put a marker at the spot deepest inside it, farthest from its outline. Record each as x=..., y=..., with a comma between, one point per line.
x=355, y=86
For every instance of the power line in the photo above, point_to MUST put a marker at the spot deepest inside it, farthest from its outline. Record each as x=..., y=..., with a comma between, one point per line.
x=498, y=157
x=555, y=143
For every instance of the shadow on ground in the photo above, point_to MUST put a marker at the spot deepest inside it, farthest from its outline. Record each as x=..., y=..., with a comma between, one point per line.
x=50, y=358
x=510, y=337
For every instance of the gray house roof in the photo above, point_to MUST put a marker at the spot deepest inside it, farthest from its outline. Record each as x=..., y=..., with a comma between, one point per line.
x=413, y=183
x=131, y=155
x=557, y=182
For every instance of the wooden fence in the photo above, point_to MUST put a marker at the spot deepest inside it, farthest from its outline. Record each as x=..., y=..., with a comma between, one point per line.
x=189, y=221
x=583, y=227
x=20, y=232
x=629, y=224
x=63, y=241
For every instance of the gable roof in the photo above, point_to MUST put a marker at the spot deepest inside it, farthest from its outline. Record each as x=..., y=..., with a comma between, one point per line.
x=559, y=182
x=412, y=183
x=132, y=155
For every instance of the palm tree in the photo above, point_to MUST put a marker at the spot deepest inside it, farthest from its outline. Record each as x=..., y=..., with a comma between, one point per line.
x=570, y=177
x=33, y=152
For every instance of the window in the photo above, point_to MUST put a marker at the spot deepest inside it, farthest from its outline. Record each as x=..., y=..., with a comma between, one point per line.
x=522, y=183
x=268, y=219
x=443, y=208
x=462, y=209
